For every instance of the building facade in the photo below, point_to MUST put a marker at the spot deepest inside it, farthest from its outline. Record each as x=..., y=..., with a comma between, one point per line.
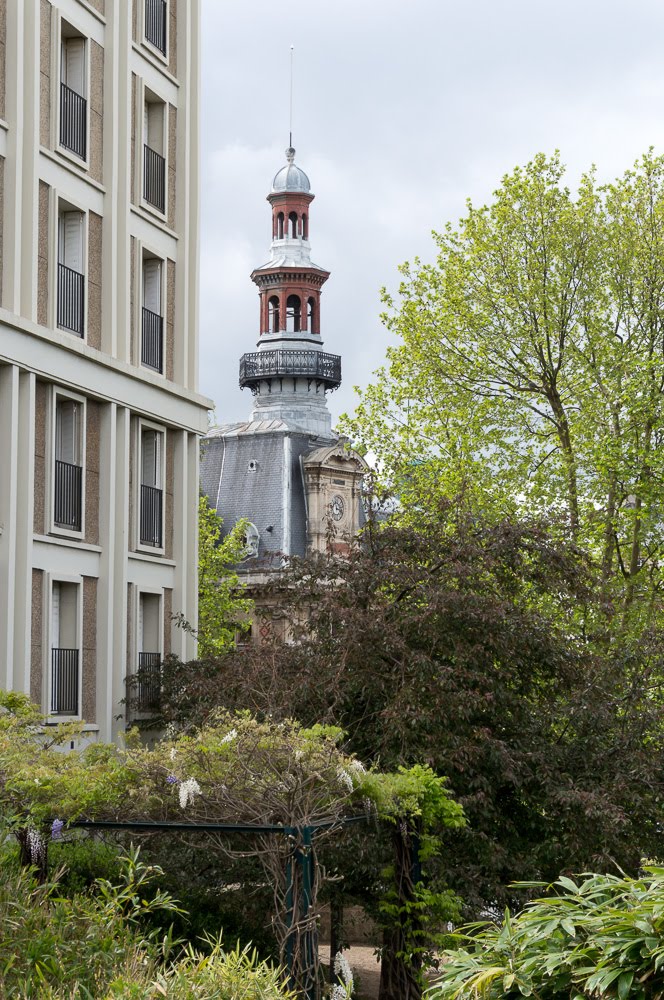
x=285, y=470
x=99, y=412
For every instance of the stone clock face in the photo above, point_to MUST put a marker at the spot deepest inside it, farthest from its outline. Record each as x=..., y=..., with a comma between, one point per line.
x=337, y=507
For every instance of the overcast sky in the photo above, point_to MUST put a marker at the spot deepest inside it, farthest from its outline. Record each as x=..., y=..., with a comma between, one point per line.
x=402, y=110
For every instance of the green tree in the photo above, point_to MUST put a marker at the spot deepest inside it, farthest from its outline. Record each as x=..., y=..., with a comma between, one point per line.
x=222, y=611
x=529, y=370
x=460, y=643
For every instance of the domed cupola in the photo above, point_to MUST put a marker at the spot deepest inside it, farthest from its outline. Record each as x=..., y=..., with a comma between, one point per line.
x=291, y=177
x=290, y=373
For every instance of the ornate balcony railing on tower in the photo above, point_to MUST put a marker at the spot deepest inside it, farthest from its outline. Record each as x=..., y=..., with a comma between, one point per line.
x=266, y=365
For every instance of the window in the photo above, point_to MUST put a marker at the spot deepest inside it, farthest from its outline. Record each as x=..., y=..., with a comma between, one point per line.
x=68, y=464
x=73, y=104
x=152, y=323
x=151, y=493
x=148, y=679
x=156, y=12
x=154, y=160
x=293, y=313
x=65, y=649
x=71, y=280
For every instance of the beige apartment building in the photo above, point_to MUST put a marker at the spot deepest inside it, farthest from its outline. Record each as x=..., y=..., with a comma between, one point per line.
x=99, y=412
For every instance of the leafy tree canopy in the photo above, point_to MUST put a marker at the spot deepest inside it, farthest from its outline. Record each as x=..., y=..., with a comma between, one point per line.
x=463, y=646
x=529, y=370
x=222, y=610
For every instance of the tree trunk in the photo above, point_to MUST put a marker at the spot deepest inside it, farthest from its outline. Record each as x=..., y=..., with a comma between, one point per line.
x=400, y=970
x=336, y=929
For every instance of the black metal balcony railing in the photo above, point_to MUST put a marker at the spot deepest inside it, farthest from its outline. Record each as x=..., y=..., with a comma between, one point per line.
x=151, y=516
x=154, y=178
x=64, y=681
x=290, y=363
x=68, y=495
x=146, y=683
x=71, y=299
x=155, y=23
x=152, y=343
x=73, y=121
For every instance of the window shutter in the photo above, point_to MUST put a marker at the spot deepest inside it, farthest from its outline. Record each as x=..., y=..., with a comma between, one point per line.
x=141, y=637
x=67, y=419
x=154, y=126
x=152, y=285
x=151, y=458
x=55, y=616
x=70, y=240
x=73, y=64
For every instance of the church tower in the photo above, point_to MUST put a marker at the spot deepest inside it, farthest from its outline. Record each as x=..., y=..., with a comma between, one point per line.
x=290, y=373
x=284, y=469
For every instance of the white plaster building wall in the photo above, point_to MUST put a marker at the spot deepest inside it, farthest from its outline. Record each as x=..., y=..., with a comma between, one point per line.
x=38, y=359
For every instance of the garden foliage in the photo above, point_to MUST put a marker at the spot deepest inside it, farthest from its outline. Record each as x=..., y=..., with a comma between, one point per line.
x=597, y=936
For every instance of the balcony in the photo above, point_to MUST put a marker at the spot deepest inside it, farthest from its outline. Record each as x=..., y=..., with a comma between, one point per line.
x=68, y=496
x=64, y=682
x=151, y=516
x=152, y=342
x=266, y=365
x=71, y=300
x=154, y=179
x=144, y=687
x=73, y=121
x=155, y=23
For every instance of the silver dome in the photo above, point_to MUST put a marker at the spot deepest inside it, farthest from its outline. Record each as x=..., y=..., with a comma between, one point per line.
x=290, y=177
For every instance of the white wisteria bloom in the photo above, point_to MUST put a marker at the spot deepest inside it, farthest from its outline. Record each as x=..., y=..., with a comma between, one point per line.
x=188, y=790
x=173, y=754
x=343, y=969
x=230, y=736
x=345, y=778
x=357, y=767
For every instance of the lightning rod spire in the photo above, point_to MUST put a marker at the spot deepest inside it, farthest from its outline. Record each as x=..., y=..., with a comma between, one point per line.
x=290, y=126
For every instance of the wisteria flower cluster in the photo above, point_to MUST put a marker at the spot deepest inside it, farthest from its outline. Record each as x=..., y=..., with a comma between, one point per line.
x=188, y=791
x=342, y=969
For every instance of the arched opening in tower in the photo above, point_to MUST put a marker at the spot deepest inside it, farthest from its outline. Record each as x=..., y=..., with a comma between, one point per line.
x=305, y=227
x=273, y=314
x=292, y=218
x=311, y=316
x=293, y=314
x=280, y=226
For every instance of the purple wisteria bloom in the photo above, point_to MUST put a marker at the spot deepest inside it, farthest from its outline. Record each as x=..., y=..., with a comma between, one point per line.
x=56, y=829
x=172, y=780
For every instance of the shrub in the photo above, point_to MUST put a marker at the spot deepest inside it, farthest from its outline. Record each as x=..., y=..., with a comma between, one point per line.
x=95, y=945
x=600, y=937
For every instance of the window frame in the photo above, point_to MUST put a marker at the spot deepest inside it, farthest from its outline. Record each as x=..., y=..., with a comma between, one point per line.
x=148, y=425
x=146, y=252
x=147, y=96
x=57, y=393
x=76, y=32
x=60, y=205
x=154, y=50
x=77, y=581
